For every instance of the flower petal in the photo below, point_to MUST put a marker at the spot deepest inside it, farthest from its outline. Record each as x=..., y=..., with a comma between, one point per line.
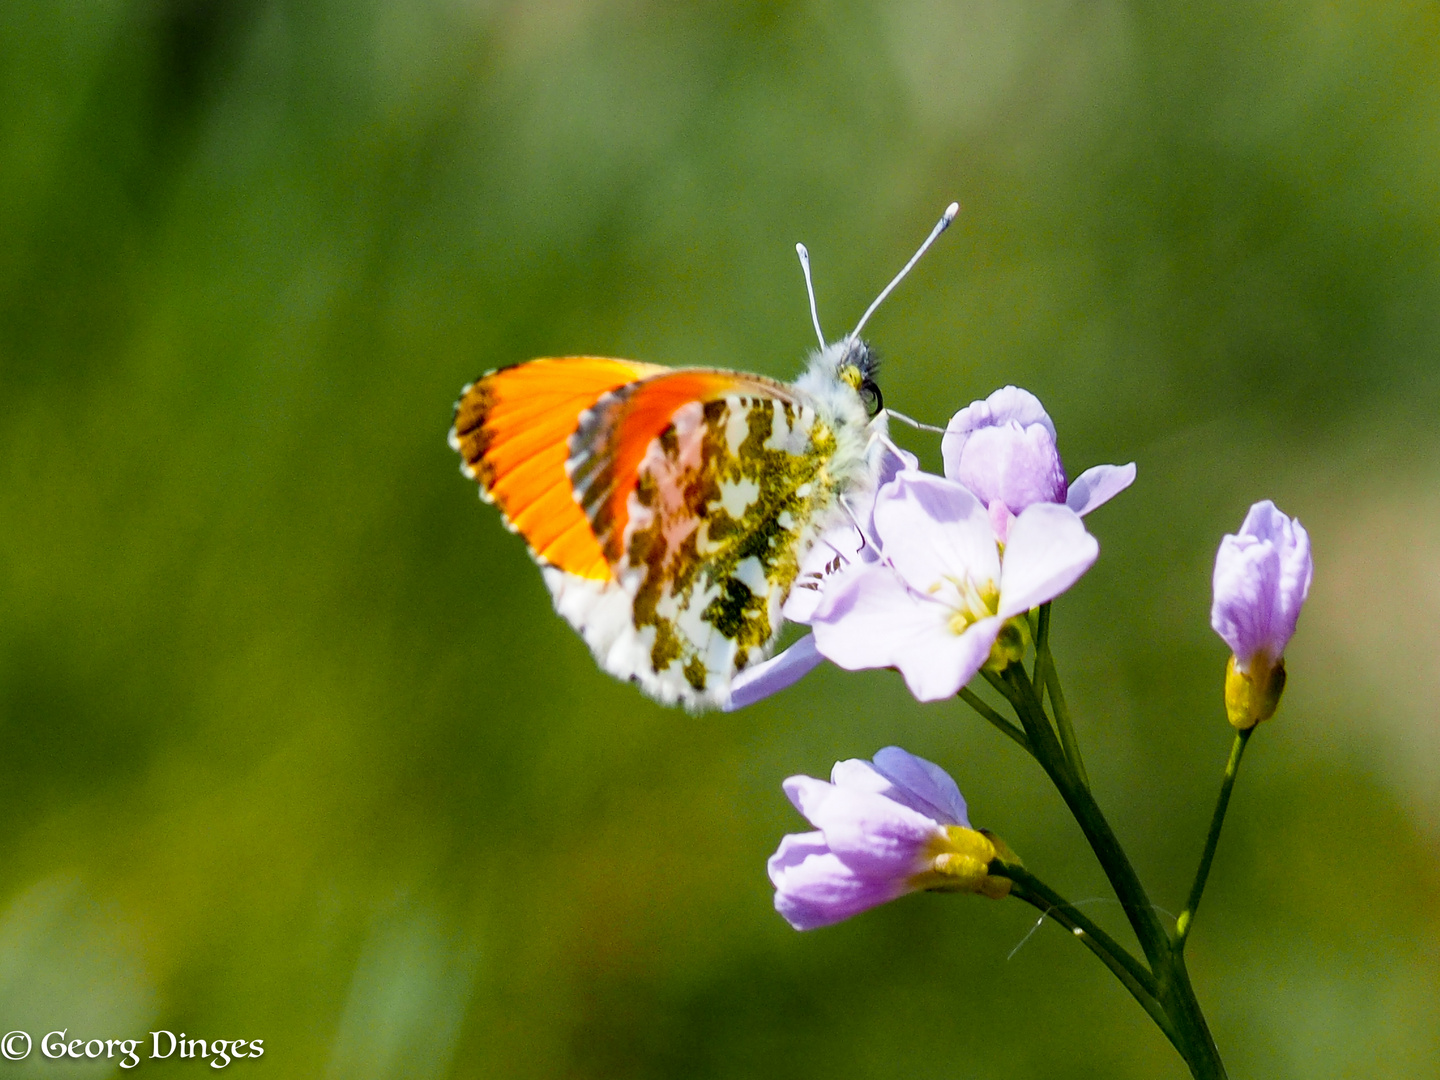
x=1003, y=448
x=869, y=615
x=922, y=785
x=1047, y=552
x=860, y=775
x=1262, y=577
x=893, y=462
x=794, y=849
x=1008, y=463
x=776, y=674
x=879, y=831
x=1247, y=576
x=1264, y=521
x=1296, y=570
x=906, y=779
x=1000, y=520
x=1097, y=486
x=1267, y=522
x=871, y=619
x=939, y=671
x=806, y=793
x=814, y=887
x=1004, y=405
x=872, y=833
x=832, y=552
x=935, y=533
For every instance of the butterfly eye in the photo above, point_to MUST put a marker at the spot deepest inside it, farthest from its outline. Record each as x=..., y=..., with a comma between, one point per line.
x=871, y=396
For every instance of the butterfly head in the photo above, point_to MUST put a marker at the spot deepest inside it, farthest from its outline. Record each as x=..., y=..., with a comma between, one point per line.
x=842, y=376
x=857, y=365
x=850, y=360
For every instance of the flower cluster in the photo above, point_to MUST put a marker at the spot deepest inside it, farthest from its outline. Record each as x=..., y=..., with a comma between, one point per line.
x=945, y=565
x=934, y=578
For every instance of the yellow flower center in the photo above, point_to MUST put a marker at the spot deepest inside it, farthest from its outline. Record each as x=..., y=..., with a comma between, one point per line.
x=968, y=602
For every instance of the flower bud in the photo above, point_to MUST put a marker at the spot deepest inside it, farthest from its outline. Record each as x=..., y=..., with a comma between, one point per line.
x=1262, y=577
x=1010, y=645
x=1252, y=697
x=1003, y=451
x=885, y=829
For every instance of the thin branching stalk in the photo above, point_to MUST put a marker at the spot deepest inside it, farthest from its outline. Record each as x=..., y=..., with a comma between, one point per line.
x=1212, y=839
x=1172, y=995
x=1006, y=727
x=1047, y=678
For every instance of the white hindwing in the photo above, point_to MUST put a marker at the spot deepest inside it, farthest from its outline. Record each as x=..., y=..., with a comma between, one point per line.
x=728, y=499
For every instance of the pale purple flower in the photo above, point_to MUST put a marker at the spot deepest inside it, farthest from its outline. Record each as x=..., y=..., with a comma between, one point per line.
x=1003, y=449
x=1262, y=576
x=884, y=829
x=935, y=602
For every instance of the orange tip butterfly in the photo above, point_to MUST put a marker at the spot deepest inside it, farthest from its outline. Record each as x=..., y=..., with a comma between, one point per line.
x=669, y=509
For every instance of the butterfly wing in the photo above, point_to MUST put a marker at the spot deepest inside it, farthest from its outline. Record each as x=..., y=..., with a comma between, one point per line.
x=668, y=509
x=703, y=490
x=512, y=429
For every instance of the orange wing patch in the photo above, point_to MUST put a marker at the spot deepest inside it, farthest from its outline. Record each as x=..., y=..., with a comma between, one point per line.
x=616, y=434
x=513, y=428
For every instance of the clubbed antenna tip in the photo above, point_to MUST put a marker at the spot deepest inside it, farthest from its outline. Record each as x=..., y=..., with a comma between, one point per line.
x=940, y=226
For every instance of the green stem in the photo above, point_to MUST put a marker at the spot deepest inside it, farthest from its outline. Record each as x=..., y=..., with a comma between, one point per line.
x=1042, y=646
x=1131, y=973
x=1010, y=730
x=1047, y=678
x=1179, y=999
x=1184, y=1022
x=1154, y=940
x=1026, y=886
x=1212, y=840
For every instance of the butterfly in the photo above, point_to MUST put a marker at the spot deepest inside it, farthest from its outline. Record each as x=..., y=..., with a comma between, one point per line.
x=669, y=509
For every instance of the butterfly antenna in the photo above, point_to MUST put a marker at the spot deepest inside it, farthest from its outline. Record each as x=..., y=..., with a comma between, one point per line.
x=810, y=289
x=940, y=226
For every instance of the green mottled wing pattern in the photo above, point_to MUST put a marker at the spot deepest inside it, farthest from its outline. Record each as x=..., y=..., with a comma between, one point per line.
x=724, y=503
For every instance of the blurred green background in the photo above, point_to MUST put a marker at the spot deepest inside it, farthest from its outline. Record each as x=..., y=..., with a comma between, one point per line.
x=294, y=748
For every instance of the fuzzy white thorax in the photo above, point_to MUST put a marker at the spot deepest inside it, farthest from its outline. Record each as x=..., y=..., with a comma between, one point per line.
x=859, y=440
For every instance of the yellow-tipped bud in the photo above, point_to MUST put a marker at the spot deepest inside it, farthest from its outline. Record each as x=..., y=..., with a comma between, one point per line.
x=1252, y=696
x=962, y=860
